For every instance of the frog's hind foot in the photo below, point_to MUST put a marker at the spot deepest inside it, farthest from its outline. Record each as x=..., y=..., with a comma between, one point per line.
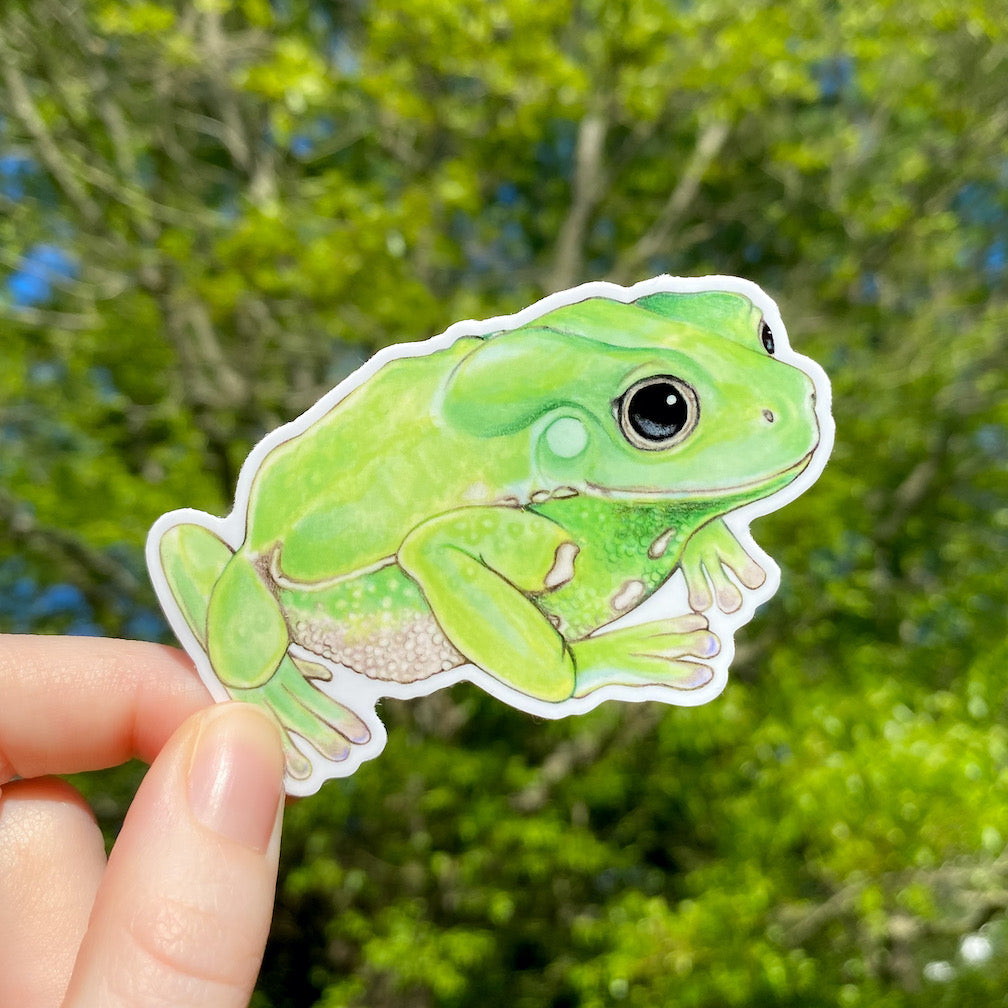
x=668, y=652
x=305, y=712
x=245, y=636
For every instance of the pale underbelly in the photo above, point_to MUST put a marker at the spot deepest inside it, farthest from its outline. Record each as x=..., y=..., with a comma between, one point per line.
x=379, y=626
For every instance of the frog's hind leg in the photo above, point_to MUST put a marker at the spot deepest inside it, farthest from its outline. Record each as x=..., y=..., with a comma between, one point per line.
x=193, y=559
x=244, y=634
x=247, y=635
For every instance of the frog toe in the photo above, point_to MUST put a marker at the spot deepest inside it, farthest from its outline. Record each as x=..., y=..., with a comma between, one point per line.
x=323, y=738
x=692, y=676
x=299, y=767
x=323, y=708
x=703, y=644
x=686, y=637
x=690, y=621
x=312, y=670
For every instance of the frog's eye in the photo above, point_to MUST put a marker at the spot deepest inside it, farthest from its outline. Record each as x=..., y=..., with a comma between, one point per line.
x=657, y=413
x=766, y=336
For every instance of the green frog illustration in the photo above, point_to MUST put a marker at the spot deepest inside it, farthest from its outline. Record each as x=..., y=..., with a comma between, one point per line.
x=483, y=505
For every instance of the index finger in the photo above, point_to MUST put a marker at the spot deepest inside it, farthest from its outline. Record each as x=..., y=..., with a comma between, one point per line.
x=81, y=703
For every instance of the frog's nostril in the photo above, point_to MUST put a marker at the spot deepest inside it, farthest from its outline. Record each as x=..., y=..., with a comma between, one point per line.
x=768, y=416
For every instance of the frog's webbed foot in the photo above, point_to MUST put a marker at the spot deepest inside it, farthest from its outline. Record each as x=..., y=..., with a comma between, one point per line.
x=709, y=553
x=301, y=709
x=669, y=652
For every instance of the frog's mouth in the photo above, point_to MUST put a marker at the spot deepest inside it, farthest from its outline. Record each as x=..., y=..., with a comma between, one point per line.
x=763, y=486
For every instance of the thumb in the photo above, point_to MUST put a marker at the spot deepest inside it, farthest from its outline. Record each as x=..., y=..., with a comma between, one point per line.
x=184, y=908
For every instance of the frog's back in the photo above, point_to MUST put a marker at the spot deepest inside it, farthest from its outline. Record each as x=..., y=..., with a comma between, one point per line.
x=369, y=467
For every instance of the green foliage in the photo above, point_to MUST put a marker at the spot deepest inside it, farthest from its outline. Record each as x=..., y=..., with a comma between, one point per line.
x=254, y=196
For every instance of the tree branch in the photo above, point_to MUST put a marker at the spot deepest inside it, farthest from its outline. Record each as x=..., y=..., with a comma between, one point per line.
x=583, y=750
x=587, y=187
x=656, y=239
x=24, y=109
x=102, y=579
x=244, y=146
x=974, y=893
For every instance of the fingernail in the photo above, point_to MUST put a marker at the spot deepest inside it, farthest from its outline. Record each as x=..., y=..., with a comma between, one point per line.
x=236, y=775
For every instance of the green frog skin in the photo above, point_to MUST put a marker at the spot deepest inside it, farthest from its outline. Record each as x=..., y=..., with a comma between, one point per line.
x=480, y=507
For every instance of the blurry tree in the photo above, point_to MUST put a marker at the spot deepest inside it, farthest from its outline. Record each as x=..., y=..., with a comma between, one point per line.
x=211, y=211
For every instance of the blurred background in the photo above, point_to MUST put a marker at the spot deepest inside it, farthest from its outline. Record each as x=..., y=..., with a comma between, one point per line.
x=212, y=211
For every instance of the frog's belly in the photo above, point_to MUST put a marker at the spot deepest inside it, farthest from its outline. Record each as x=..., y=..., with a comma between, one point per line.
x=378, y=625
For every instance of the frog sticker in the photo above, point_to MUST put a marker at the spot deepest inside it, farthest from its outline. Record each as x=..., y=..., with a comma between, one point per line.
x=553, y=505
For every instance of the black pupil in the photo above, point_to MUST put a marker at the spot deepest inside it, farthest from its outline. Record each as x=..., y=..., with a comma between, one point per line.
x=766, y=335
x=658, y=411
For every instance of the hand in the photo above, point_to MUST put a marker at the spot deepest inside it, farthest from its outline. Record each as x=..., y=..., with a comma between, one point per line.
x=180, y=913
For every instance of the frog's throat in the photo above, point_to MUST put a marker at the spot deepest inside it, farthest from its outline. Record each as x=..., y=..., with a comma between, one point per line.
x=755, y=489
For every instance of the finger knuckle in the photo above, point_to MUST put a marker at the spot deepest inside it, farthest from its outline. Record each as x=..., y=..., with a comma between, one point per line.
x=180, y=950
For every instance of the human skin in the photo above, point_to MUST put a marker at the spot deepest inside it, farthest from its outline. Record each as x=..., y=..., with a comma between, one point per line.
x=180, y=911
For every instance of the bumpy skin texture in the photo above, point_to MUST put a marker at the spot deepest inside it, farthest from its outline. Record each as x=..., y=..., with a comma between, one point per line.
x=496, y=502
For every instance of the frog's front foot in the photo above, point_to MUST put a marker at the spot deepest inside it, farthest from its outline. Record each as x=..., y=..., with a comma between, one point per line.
x=668, y=652
x=302, y=710
x=707, y=556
